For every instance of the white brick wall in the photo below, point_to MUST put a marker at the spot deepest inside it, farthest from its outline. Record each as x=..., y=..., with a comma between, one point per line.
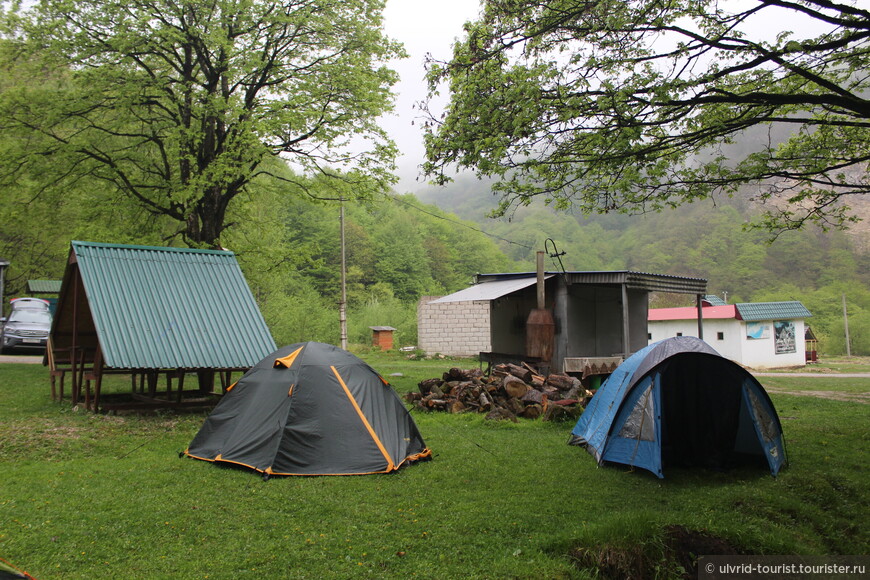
x=453, y=328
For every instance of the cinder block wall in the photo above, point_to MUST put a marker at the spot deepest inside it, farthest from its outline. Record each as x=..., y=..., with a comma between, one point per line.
x=453, y=328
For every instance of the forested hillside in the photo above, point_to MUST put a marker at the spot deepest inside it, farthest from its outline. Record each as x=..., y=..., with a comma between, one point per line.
x=708, y=240
x=288, y=244
x=399, y=248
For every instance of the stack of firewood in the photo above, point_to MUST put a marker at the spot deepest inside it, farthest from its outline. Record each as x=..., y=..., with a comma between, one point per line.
x=508, y=392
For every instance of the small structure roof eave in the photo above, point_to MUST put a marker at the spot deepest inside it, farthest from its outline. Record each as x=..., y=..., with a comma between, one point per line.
x=43, y=286
x=630, y=279
x=490, y=289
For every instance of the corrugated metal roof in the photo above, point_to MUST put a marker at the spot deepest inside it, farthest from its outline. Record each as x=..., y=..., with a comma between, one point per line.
x=631, y=280
x=43, y=286
x=756, y=311
x=489, y=290
x=171, y=307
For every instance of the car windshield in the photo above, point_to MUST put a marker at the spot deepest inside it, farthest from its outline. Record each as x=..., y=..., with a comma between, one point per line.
x=38, y=316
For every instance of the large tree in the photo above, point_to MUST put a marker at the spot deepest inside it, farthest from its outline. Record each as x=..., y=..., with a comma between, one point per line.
x=634, y=105
x=175, y=104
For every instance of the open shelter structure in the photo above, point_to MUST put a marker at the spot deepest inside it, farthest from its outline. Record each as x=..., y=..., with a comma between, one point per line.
x=152, y=313
x=599, y=318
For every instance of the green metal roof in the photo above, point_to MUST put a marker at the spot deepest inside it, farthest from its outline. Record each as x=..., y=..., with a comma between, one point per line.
x=171, y=307
x=757, y=311
x=43, y=286
x=714, y=300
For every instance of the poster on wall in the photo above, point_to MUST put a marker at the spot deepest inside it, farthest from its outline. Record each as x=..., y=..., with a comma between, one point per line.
x=757, y=330
x=784, y=337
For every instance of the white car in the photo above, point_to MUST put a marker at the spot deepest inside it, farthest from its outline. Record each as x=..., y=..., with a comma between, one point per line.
x=27, y=327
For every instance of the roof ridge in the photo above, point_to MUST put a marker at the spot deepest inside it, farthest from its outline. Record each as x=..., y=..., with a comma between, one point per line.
x=79, y=243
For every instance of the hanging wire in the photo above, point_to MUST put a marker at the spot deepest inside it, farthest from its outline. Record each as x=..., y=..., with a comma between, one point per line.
x=457, y=222
x=555, y=253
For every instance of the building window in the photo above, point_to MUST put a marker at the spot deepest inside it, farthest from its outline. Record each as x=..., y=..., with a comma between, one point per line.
x=679, y=334
x=649, y=335
x=720, y=336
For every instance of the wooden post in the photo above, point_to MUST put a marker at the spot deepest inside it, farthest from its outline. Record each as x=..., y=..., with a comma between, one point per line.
x=626, y=326
x=98, y=376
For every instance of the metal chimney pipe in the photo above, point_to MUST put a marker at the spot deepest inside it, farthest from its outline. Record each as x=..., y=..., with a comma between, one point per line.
x=540, y=271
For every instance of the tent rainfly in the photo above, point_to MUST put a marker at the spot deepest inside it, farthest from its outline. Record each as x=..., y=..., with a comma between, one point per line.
x=310, y=409
x=678, y=402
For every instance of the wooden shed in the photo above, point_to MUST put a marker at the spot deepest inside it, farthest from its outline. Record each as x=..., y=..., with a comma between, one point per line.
x=159, y=315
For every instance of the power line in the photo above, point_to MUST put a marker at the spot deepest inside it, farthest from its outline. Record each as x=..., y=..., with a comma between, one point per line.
x=463, y=224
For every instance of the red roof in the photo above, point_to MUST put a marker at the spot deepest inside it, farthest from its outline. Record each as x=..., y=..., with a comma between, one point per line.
x=691, y=313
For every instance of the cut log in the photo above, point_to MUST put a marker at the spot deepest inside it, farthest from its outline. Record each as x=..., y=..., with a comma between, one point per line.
x=515, y=387
x=519, y=372
x=532, y=411
x=425, y=386
x=562, y=382
x=457, y=374
x=562, y=413
x=533, y=396
x=499, y=414
x=552, y=393
x=514, y=405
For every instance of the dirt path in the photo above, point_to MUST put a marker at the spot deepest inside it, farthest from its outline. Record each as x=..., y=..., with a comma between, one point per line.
x=21, y=359
x=833, y=395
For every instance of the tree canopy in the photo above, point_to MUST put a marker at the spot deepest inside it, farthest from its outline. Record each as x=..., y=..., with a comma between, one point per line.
x=637, y=105
x=176, y=104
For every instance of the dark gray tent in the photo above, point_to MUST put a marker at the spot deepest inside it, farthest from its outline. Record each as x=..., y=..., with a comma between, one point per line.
x=311, y=409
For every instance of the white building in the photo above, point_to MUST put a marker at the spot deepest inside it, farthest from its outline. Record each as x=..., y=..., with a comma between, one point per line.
x=757, y=335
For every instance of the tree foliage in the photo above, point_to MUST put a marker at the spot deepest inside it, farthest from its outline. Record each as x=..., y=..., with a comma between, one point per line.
x=700, y=240
x=176, y=104
x=632, y=105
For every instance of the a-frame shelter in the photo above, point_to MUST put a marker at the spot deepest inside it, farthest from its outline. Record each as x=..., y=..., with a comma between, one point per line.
x=152, y=313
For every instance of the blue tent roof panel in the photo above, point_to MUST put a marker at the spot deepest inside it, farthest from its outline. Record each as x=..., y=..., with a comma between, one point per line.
x=678, y=402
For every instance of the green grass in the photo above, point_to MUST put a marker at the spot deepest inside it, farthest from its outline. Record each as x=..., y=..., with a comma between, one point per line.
x=843, y=364
x=86, y=496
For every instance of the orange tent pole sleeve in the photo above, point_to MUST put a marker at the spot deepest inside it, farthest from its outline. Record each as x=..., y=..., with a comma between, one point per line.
x=390, y=464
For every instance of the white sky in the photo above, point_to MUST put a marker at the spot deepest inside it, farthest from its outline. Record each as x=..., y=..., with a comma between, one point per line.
x=432, y=26
x=423, y=26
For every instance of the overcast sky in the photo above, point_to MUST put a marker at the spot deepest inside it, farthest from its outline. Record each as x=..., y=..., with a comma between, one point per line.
x=423, y=27
x=432, y=26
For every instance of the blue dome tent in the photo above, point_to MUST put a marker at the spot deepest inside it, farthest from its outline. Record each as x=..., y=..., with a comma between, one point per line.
x=679, y=402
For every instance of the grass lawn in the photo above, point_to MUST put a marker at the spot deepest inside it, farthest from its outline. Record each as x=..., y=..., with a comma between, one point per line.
x=86, y=496
x=834, y=364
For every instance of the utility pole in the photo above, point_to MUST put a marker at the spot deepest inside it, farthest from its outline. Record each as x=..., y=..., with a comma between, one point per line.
x=342, y=306
x=846, y=326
